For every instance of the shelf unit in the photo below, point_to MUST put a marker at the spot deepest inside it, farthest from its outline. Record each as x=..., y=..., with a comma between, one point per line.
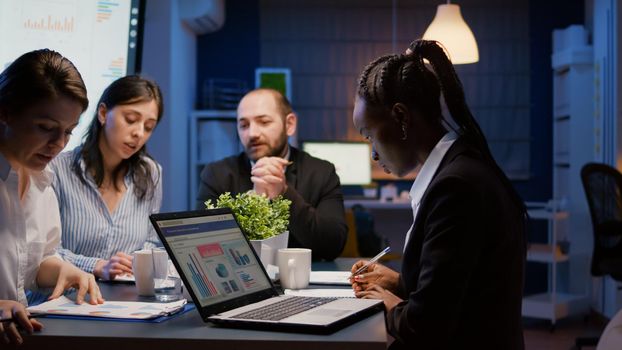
x=213, y=136
x=552, y=304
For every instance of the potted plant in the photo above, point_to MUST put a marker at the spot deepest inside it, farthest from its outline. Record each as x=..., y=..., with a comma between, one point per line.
x=264, y=221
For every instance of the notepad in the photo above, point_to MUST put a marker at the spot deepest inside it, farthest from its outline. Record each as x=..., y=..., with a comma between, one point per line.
x=325, y=293
x=129, y=278
x=109, y=309
x=337, y=278
x=124, y=278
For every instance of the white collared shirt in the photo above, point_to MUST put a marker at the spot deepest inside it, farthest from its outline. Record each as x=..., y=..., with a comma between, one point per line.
x=423, y=179
x=29, y=230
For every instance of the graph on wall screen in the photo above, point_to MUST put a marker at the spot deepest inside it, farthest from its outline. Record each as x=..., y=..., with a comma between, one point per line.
x=100, y=37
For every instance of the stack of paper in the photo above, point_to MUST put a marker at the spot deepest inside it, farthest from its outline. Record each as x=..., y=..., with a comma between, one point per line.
x=109, y=309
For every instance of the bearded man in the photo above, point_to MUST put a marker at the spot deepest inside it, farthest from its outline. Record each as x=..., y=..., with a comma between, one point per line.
x=270, y=166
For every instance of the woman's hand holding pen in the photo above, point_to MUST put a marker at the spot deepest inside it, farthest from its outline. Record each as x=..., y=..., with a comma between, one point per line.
x=377, y=282
x=8, y=330
x=376, y=274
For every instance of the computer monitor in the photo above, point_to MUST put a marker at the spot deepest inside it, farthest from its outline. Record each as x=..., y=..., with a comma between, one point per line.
x=103, y=39
x=351, y=159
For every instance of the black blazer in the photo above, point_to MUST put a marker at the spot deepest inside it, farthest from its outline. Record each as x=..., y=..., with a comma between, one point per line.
x=463, y=266
x=317, y=218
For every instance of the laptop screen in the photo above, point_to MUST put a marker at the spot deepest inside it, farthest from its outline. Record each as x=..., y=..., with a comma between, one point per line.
x=214, y=257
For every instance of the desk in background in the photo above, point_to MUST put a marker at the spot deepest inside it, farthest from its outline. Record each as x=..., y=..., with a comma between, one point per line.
x=188, y=331
x=377, y=204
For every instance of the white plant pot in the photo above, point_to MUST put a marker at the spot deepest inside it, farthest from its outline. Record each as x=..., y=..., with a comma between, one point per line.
x=267, y=248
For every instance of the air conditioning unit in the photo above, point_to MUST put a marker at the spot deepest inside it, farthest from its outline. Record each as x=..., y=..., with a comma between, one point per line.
x=202, y=16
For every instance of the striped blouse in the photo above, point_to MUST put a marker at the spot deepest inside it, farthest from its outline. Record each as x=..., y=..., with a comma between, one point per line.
x=89, y=231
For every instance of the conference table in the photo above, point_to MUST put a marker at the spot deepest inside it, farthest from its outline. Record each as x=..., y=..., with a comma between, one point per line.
x=188, y=331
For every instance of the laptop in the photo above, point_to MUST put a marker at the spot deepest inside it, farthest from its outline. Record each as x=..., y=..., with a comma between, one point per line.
x=230, y=286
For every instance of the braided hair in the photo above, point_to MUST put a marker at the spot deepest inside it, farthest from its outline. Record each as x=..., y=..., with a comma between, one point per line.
x=405, y=78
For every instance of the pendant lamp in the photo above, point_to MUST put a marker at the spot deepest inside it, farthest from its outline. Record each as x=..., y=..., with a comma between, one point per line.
x=449, y=28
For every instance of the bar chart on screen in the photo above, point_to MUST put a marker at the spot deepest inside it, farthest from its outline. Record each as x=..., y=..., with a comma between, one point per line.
x=100, y=37
x=65, y=24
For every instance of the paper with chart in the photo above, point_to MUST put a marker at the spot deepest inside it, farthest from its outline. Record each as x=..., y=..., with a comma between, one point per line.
x=109, y=309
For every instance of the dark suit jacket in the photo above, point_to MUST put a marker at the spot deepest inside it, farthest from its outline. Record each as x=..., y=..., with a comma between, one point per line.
x=317, y=219
x=462, y=269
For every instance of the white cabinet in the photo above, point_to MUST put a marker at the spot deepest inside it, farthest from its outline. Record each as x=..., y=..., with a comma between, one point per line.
x=573, y=133
x=213, y=136
x=567, y=213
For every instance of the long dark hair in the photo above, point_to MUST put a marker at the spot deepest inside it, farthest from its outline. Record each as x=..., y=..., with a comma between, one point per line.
x=124, y=91
x=38, y=76
x=405, y=78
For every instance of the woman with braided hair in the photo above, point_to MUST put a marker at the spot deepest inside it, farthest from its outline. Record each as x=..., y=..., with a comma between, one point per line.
x=461, y=278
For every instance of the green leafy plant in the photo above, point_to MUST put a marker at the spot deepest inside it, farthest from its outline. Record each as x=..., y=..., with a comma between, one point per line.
x=259, y=217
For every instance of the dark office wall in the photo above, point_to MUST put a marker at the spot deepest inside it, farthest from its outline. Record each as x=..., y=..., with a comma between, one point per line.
x=326, y=44
x=233, y=51
x=328, y=57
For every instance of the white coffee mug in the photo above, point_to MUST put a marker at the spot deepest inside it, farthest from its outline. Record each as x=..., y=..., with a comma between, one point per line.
x=294, y=267
x=147, y=265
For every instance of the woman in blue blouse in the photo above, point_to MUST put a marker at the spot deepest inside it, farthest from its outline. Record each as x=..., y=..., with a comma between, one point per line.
x=108, y=186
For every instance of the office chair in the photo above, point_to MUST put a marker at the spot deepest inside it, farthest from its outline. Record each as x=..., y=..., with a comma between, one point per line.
x=351, y=249
x=363, y=239
x=603, y=189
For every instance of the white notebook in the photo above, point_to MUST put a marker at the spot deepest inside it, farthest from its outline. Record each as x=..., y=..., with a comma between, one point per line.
x=337, y=278
x=324, y=293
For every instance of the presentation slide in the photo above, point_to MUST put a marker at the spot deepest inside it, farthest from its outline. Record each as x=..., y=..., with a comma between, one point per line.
x=99, y=37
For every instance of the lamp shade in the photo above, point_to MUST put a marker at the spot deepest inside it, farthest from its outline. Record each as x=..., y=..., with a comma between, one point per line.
x=449, y=28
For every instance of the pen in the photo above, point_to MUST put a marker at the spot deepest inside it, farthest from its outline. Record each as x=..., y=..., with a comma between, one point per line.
x=13, y=319
x=371, y=261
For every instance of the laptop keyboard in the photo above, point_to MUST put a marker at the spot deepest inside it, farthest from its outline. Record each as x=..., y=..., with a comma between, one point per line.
x=284, y=308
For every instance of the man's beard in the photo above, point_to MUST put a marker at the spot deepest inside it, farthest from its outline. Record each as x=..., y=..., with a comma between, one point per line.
x=277, y=151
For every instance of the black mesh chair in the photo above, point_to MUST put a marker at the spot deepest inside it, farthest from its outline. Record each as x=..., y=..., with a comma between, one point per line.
x=603, y=189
